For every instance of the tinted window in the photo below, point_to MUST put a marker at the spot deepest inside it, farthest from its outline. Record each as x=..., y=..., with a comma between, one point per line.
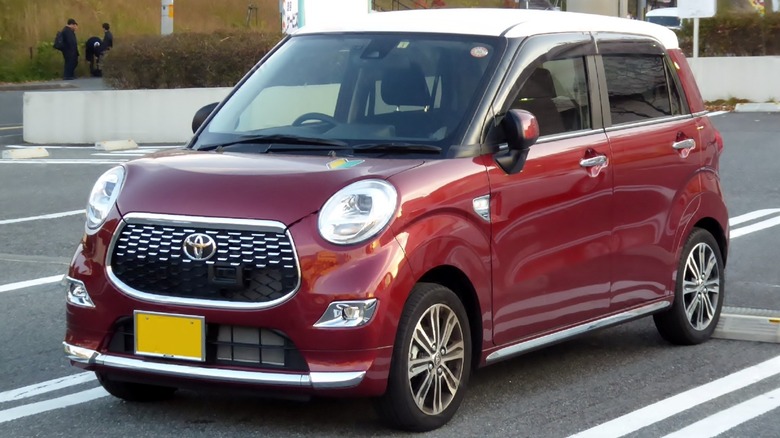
x=637, y=87
x=556, y=92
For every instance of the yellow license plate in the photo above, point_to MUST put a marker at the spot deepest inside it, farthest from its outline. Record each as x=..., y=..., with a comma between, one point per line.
x=170, y=336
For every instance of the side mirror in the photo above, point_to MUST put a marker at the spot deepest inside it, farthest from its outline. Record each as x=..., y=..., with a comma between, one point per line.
x=521, y=130
x=201, y=115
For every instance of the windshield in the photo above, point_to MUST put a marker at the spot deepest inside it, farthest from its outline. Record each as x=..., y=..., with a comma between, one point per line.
x=359, y=90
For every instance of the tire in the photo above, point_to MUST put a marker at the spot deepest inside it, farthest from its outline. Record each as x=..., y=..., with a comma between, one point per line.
x=429, y=398
x=699, y=293
x=134, y=392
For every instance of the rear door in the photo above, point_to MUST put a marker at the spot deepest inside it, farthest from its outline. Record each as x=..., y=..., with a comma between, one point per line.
x=656, y=158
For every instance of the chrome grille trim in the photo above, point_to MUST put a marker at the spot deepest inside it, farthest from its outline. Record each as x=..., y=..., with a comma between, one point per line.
x=165, y=221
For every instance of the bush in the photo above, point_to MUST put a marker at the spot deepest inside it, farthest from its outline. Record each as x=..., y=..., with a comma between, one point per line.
x=185, y=60
x=747, y=34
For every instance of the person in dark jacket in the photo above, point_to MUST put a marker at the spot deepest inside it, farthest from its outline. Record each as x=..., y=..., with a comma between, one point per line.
x=70, y=49
x=108, y=38
x=93, y=54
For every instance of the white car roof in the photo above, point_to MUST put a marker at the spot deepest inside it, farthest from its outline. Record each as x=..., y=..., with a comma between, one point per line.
x=512, y=23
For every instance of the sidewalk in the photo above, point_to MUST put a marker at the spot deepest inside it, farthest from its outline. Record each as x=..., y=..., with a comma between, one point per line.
x=57, y=85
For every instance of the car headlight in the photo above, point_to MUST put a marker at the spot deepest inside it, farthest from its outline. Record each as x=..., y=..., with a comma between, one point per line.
x=357, y=212
x=103, y=196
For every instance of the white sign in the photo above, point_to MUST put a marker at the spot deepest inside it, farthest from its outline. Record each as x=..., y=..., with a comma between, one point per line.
x=696, y=8
x=289, y=16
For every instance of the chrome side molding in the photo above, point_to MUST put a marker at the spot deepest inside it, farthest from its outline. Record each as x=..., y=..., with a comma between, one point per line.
x=553, y=338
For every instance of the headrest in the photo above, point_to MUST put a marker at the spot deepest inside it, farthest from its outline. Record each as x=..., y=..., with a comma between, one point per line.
x=405, y=86
x=540, y=85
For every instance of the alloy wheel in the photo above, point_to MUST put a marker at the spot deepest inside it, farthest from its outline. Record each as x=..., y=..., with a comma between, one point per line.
x=436, y=359
x=701, y=286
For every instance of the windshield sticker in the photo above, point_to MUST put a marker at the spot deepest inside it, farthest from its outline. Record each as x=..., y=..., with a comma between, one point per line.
x=343, y=163
x=403, y=44
x=479, y=52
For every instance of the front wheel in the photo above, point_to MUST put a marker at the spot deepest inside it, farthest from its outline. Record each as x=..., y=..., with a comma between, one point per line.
x=431, y=361
x=699, y=292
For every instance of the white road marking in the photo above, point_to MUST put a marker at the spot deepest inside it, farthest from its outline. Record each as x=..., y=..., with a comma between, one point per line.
x=664, y=409
x=55, y=161
x=43, y=216
x=729, y=418
x=717, y=113
x=752, y=215
x=50, y=405
x=30, y=283
x=48, y=386
x=775, y=221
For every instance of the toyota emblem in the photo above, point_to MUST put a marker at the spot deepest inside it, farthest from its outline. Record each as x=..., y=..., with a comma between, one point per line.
x=199, y=247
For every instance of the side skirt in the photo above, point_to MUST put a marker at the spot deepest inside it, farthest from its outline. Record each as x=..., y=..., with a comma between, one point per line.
x=526, y=346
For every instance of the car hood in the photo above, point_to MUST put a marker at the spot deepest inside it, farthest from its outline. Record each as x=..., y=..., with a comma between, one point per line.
x=284, y=188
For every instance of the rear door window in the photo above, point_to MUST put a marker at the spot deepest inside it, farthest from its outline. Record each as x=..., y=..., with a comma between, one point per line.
x=638, y=88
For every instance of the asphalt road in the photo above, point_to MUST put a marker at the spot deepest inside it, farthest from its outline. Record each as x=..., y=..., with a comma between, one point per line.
x=623, y=381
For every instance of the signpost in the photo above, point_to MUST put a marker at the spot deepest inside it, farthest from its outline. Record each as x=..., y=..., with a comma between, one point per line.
x=696, y=9
x=166, y=17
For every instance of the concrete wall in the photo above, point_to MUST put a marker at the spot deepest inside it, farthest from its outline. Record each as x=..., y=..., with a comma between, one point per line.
x=754, y=78
x=146, y=116
x=165, y=116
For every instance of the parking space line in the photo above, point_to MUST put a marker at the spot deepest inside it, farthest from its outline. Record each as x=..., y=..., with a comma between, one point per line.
x=50, y=405
x=724, y=420
x=43, y=216
x=747, y=217
x=29, y=283
x=666, y=408
x=775, y=221
x=44, y=387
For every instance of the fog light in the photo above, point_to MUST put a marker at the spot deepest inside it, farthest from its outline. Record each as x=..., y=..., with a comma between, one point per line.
x=77, y=293
x=347, y=314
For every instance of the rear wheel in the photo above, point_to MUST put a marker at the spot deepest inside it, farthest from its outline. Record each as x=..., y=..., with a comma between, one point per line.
x=431, y=361
x=699, y=291
x=134, y=392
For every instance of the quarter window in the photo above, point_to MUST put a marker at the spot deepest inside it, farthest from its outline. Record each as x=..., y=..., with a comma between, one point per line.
x=637, y=87
x=556, y=92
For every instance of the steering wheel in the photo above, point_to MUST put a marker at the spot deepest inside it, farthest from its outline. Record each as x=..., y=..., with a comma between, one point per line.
x=314, y=116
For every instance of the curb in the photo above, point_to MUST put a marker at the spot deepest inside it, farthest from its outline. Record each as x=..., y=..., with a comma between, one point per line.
x=32, y=86
x=116, y=145
x=767, y=107
x=747, y=324
x=21, y=154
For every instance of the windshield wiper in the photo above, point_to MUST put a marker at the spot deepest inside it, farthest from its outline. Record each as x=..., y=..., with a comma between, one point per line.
x=407, y=148
x=281, y=140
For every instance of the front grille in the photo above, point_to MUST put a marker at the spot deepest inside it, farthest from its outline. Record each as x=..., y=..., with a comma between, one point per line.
x=228, y=345
x=249, y=266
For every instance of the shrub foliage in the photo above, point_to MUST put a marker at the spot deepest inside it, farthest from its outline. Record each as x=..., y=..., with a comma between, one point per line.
x=746, y=34
x=185, y=60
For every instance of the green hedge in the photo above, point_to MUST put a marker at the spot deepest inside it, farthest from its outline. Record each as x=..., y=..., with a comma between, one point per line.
x=746, y=34
x=185, y=60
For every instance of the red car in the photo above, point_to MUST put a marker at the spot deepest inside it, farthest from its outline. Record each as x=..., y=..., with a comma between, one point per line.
x=377, y=209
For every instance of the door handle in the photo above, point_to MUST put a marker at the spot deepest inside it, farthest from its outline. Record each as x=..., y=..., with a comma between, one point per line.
x=688, y=143
x=599, y=160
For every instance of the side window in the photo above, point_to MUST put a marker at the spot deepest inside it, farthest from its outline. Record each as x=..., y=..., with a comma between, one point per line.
x=637, y=87
x=674, y=92
x=556, y=92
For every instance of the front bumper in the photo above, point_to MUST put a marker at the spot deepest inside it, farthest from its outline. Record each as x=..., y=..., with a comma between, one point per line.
x=322, y=380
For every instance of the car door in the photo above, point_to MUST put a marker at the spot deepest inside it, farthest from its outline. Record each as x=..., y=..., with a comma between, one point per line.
x=552, y=221
x=656, y=157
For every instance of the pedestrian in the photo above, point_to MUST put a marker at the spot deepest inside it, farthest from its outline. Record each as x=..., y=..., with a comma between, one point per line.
x=70, y=49
x=93, y=54
x=108, y=38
